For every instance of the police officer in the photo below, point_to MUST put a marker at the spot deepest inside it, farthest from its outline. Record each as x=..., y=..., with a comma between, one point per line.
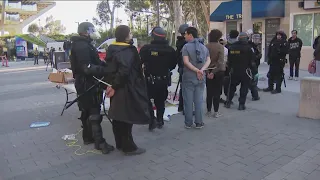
x=255, y=64
x=159, y=60
x=240, y=57
x=276, y=59
x=179, y=44
x=85, y=64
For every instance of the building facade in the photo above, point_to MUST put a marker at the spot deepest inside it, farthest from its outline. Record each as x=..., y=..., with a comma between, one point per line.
x=267, y=18
x=18, y=14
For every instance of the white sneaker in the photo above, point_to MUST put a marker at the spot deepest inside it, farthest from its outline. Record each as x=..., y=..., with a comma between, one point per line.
x=296, y=78
x=217, y=114
x=290, y=78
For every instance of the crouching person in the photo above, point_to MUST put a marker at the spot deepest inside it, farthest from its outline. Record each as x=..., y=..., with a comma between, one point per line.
x=129, y=98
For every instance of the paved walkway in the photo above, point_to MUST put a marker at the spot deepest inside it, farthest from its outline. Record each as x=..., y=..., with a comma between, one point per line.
x=267, y=141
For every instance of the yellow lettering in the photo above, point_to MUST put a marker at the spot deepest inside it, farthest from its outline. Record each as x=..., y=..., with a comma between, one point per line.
x=239, y=16
x=154, y=53
x=235, y=52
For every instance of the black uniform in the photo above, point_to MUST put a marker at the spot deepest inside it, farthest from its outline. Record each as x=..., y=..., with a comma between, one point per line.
x=240, y=57
x=255, y=64
x=159, y=59
x=85, y=64
x=277, y=60
x=179, y=44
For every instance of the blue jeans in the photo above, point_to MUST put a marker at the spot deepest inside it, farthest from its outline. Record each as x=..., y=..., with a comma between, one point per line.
x=192, y=94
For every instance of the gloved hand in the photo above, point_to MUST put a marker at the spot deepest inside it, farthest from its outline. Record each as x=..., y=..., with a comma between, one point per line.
x=256, y=77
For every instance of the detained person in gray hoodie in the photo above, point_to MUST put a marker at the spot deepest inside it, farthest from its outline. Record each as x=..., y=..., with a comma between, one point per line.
x=196, y=59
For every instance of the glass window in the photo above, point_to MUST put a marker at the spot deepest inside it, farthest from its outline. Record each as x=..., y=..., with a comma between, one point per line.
x=14, y=5
x=29, y=7
x=303, y=24
x=316, y=26
x=13, y=17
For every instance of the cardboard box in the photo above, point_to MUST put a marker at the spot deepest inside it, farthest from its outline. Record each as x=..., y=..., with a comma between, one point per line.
x=61, y=77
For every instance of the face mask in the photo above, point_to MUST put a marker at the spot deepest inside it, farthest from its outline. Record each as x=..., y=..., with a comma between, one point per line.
x=93, y=33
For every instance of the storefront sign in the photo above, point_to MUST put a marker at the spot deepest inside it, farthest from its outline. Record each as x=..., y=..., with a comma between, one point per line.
x=311, y=4
x=234, y=16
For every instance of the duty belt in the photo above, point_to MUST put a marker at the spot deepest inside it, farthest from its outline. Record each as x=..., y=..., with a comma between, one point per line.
x=152, y=79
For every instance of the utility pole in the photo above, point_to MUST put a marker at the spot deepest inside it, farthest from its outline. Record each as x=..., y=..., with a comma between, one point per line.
x=3, y=16
x=158, y=13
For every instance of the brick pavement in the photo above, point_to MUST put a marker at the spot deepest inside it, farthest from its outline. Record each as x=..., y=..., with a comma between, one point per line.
x=267, y=141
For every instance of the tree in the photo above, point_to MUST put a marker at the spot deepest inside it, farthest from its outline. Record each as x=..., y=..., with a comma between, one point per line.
x=33, y=28
x=53, y=27
x=105, y=11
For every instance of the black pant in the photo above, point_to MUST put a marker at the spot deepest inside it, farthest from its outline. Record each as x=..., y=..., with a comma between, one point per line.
x=254, y=88
x=36, y=59
x=91, y=124
x=294, y=61
x=214, y=91
x=159, y=93
x=275, y=75
x=123, y=136
x=236, y=79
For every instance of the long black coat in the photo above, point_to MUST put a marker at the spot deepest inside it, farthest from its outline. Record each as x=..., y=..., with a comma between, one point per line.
x=130, y=102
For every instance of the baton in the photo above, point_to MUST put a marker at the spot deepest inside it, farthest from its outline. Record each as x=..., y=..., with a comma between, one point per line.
x=93, y=86
x=99, y=80
x=175, y=94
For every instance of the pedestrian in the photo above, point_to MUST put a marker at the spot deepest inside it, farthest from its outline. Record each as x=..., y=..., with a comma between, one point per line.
x=181, y=41
x=129, y=103
x=278, y=50
x=255, y=64
x=36, y=56
x=85, y=64
x=316, y=55
x=295, y=45
x=196, y=60
x=240, y=59
x=215, y=74
x=159, y=59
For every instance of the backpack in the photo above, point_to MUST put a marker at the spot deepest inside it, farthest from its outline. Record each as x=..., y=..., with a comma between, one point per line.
x=312, y=67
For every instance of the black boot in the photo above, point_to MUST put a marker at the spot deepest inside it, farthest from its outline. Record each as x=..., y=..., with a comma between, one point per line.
x=99, y=141
x=268, y=89
x=227, y=104
x=241, y=107
x=255, y=98
x=153, y=124
x=160, y=113
x=276, y=91
x=104, y=147
x=160, y=123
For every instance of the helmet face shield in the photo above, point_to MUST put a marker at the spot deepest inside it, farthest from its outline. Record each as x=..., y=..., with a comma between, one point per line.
x=93, y=33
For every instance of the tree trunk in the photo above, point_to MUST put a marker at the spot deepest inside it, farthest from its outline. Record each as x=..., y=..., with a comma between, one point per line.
x=178, y=16
x=171, y=33
x=206, y=13
x=3, y=15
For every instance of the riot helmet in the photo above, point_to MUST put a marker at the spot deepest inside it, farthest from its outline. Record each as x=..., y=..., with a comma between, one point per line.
x=88, y=28
x=158, y=33
x=182, y=28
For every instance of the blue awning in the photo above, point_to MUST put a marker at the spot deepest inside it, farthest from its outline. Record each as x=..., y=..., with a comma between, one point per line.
x=232, y=10
x=227, y=11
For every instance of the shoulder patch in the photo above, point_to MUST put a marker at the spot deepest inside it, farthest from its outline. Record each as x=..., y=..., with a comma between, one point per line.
x=154, y=53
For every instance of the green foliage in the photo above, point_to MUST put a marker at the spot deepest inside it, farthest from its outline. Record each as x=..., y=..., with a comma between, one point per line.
x=53, y=27
x=57, y=37
x=33, y=28
x=105, y=11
